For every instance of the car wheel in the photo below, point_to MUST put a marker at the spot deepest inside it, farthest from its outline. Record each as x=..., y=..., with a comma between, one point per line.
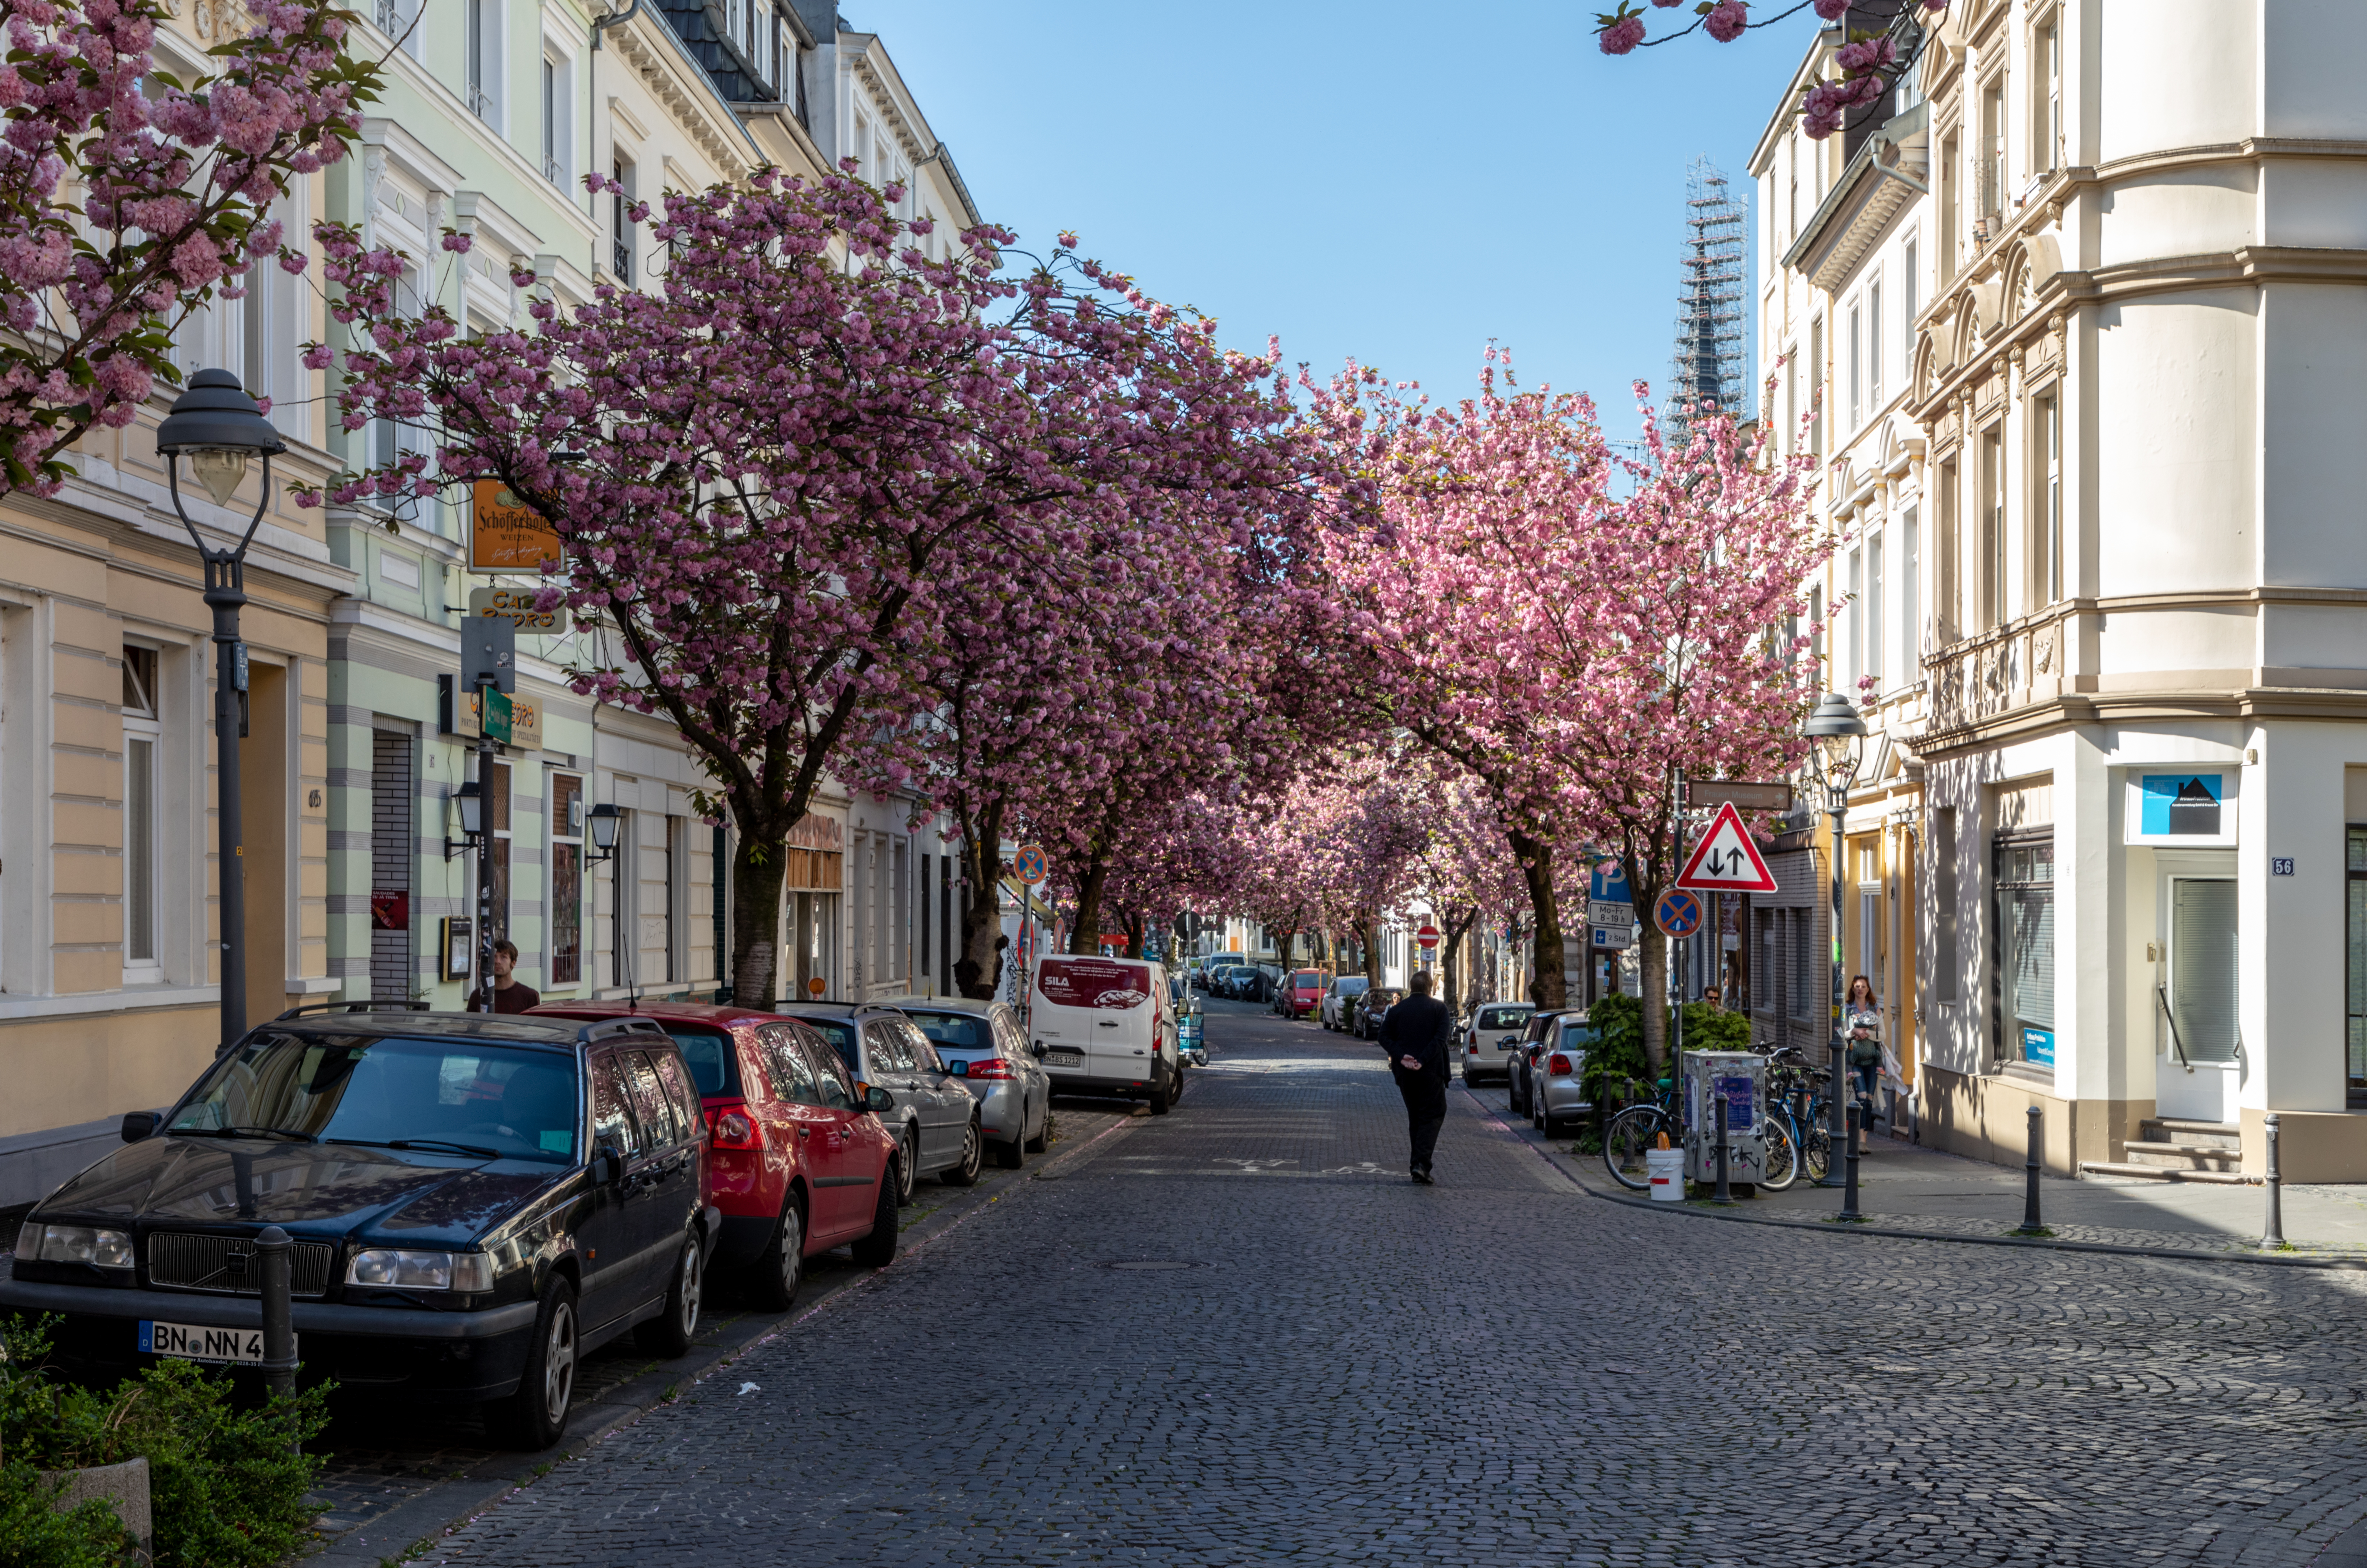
x=1158, y=1100
x=908, y=1166
x=534, y=1416
x=668, y=1333
x=973, y=1155
x=1037, y=1144
x=1547, y=1122
x=783, y=1264
x=878, y=1247
x=1012, y=1155
x=1176, y=1084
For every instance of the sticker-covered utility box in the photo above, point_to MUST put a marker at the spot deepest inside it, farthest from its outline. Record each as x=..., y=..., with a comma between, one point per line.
x=1732, y=1084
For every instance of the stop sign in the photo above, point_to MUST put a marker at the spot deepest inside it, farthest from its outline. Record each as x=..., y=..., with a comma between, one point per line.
x=1427, y=937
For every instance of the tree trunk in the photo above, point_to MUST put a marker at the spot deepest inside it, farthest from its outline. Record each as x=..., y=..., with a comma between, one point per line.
x=1656, y=1000
x=1536, y=870
x=758, y=867
x=1085, y=936
x=1372, y=952
x=977, y=973
x=1455, y=932
x=1135, y=926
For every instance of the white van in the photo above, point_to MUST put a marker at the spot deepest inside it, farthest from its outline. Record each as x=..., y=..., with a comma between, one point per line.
x=1106, y=1026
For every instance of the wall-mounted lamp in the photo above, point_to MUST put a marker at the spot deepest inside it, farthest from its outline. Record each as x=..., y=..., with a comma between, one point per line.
x=602, y=821
x=466, y=815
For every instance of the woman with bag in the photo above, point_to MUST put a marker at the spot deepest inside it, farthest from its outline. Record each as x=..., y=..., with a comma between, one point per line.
x=1861, y=1027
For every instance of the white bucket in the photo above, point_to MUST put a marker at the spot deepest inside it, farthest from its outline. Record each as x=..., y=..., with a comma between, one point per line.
x=1665, y=1169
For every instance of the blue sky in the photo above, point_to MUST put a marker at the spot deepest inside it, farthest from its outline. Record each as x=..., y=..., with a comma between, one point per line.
x=1399, y=182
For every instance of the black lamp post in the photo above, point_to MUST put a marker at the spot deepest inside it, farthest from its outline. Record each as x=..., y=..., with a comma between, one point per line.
x=218, y=427
x=1839, y=735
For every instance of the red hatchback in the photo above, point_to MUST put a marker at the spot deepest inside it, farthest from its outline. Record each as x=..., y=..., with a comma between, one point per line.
x=794, y=1161
x=1301, y=992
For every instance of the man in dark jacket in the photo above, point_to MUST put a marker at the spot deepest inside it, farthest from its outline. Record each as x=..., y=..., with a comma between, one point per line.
x=1414, y=1035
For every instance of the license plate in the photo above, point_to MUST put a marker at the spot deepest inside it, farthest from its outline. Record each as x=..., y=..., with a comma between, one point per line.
x=1064, y=1058
x=192, y=1343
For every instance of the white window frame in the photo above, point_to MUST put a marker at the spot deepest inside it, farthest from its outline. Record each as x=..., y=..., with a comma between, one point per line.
x=144, y=730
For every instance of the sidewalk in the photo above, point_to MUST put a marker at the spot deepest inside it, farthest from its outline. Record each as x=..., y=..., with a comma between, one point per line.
x=1903, y=1186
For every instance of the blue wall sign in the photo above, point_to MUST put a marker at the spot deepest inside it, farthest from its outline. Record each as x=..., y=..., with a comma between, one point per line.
x=2038, y=1046
x=2181, y=806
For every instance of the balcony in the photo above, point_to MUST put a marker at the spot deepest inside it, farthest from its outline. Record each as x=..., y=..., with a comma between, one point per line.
x=1995, y=671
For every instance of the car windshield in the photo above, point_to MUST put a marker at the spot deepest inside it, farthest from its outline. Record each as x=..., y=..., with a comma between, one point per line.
x=1353, y=985
x=1503, y=1018
x=453, y=1094
x=954, y=1030
x=714, y=1066
x=841, y=1035
x=1579, y=1034
x=1308, y=980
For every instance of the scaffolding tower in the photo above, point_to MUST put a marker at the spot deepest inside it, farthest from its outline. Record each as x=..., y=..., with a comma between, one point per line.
x=1708, y=369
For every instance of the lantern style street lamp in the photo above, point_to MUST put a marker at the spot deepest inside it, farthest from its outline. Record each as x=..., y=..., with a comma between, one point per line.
x=1837, y=737
x=467, y=806
x=219, y=429
x=603, y=819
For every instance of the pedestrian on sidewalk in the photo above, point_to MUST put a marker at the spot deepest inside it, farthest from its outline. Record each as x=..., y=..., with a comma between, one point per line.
x=1414, y=1035
x=510, y=993
x=1862, y=1026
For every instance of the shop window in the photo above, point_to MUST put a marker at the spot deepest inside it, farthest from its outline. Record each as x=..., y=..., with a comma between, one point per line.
x=565, y=966
x=2025, y=955
x=2203, y=975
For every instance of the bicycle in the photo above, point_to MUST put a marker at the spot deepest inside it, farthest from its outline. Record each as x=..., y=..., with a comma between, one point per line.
x=1638, y=1130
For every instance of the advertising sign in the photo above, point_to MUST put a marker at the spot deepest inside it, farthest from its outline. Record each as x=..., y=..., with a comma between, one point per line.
x=2038, y=1046
x=2187, y=809
x=516, y=606
x=506, y=534
x=1105, y=983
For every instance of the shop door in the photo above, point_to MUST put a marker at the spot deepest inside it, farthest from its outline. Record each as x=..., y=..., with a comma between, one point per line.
x=2203, y=1001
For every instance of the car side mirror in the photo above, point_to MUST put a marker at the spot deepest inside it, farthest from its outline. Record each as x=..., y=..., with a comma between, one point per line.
x=877, y=1098
x=1038, y=1050
x=139, y=1124
x=607, y=1162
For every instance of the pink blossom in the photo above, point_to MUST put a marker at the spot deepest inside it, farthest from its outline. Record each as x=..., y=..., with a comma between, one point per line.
x=1832, y=10
x=1726, y=20
x=1622, y=35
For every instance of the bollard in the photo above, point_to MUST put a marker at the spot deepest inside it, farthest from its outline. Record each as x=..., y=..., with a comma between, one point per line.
x=1849, y=1188
x=1717, y=1106
x=275, y=1253
x=2273, y=1234
x=2029, y=1222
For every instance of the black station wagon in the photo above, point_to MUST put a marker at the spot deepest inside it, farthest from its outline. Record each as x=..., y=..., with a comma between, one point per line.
x=476, y=1203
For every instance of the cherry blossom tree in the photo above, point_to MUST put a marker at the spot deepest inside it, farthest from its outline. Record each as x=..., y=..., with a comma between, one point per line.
x=1886, y=38
x=763, y=468
x=128, y=199
x=1464, y=868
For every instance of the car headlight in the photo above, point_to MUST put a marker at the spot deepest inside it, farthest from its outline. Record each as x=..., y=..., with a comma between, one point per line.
x=401, y=1269
x=74, y=1243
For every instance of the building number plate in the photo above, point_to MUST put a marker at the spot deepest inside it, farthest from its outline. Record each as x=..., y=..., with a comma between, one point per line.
x=2280, y=865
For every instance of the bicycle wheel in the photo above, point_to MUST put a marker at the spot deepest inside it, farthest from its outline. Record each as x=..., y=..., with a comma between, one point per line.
x=1816, y=1151
x=1783, y=1165
x=1631, y=1132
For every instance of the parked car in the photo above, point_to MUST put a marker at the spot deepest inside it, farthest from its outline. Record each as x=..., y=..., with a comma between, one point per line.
x=1225, y=976
x=1260, y=983
x=1491, y=1039
x=1537, y=1036
x=1372, y=1010
x=1106, y=1026
x=477, y=1203
x=930, y=1113
x=1554, y=1090
x=794, y=1164
x=983, y=1044
x=1300, y=992
x=1339, y=1001
x=1212, y=969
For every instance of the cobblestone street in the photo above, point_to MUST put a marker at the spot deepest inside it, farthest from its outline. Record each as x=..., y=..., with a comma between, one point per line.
x=1237, y=1334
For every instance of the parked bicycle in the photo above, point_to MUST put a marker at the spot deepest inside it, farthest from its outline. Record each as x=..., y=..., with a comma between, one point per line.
x=1639, y=1128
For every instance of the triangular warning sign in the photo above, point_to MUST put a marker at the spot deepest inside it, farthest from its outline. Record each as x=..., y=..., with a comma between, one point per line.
x=1726, y=861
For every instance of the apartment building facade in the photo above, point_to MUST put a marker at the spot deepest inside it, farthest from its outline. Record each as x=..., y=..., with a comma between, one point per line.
x=2131, y=361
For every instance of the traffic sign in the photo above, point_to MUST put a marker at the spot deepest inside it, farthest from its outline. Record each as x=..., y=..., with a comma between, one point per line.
x=1609, y=884
x=1615, y=939
x=1726, y=861
x=1427, y=937
x=1029, y=864
x=1679, y=913
x=1603, y=912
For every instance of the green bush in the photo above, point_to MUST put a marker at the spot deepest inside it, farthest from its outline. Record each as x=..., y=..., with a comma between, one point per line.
x=1620, y=1055
x=226, y=1487
x=34, y=1535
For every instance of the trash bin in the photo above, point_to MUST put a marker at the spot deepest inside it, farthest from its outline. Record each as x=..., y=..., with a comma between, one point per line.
x=1665, y=1170
x=1737, y=1081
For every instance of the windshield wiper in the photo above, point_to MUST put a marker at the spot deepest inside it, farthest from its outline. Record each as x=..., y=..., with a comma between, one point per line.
x=241, y=1133
x=427, y=1145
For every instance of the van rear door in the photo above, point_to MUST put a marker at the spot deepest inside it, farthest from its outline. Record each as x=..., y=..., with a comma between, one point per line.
x=1104, y=1011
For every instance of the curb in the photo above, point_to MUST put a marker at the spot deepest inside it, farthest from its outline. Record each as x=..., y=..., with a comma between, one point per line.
x=1561, y=1163
x=413, y=1526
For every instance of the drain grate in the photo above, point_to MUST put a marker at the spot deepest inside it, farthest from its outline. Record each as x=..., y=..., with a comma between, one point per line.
x=1145, y=1265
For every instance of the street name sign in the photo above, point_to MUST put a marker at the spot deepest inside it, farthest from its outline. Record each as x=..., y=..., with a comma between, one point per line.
x=1776, y=796
x=1726, y=861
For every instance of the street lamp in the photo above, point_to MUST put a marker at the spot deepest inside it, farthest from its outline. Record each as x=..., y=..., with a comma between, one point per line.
x=603, y=818
x=1838, y=736
x=468, y=810
x=218, y=427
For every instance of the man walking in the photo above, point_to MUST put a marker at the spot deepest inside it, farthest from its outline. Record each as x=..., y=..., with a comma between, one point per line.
x=1414, y=1035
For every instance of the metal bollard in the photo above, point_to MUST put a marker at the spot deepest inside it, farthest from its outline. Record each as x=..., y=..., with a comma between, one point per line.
x=1849, y=1160
x=1723, y=1194
x=2273, y=1234
x=275, y=1253
x=2030, y=1222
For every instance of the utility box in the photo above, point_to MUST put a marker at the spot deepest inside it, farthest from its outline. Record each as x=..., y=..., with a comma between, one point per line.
x=1734, y=1082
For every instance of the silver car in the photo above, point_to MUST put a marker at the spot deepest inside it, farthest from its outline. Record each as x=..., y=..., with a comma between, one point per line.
x=1493, y=1035
x=1555, y=1094
x=982, y=1045
x=1337, y=997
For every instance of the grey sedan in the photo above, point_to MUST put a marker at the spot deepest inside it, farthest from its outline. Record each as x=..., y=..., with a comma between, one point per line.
x=1493, y=1036
x=983, y=1044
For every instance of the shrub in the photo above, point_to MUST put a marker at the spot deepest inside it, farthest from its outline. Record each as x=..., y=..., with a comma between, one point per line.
x=34, y=1535
x=226, y=1486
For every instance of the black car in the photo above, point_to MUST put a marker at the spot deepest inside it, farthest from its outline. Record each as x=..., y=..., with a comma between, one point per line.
x=1372, y=1010
x=1520, y=1067
x=477, y=1203
x=935, y=1119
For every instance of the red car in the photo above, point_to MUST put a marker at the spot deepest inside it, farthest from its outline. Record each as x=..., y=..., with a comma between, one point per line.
x=796, y=1160
x=1301, y=992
